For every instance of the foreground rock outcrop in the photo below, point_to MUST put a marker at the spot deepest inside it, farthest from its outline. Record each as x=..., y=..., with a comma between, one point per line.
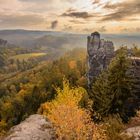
x=133, y=132
x=100, y=52
x=33, y=128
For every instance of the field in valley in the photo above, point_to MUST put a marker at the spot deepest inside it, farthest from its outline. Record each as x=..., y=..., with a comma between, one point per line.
x=27, y=56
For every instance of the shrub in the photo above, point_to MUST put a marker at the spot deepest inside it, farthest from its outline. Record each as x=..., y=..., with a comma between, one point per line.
x=71, y=121
x=114, y=128
x=3, y=126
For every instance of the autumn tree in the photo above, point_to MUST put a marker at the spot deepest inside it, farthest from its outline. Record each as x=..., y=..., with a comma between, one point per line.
x=66, y=112
x=14, y=109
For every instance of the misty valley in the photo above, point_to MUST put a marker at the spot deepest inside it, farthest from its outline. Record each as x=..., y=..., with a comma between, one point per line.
x=69, y=70
x=55, y=75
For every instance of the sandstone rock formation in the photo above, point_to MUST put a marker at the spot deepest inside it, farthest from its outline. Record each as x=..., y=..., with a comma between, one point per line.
x=100, y=53
x=33, y=128
x=3, y=42
x=133, y=132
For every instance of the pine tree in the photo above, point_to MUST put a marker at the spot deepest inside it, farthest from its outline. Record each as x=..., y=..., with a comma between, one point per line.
x=113, y=87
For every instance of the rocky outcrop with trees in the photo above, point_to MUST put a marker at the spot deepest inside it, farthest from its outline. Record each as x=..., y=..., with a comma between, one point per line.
x=100, y=52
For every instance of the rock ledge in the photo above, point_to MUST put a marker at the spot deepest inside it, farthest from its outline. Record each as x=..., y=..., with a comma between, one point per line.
x=36, y=127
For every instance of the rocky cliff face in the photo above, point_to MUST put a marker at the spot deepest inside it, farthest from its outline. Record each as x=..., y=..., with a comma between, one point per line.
x=133, y=132
x=100, y=53
x=33, y=128
x=3, y=42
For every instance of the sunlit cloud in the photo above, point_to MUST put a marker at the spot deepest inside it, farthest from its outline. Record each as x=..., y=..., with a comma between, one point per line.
x=122, y=11
x=54, y=24
x=109, y=16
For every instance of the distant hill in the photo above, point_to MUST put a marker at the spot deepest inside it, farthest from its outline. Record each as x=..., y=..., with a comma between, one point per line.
x=66, y=41
x=30, y=38
x=123, y=39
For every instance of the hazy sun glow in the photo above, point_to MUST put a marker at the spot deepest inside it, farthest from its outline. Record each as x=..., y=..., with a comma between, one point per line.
x=107, y=16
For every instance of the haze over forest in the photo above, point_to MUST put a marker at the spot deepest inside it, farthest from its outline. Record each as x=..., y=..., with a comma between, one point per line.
x=73, y=19
x=69, y=69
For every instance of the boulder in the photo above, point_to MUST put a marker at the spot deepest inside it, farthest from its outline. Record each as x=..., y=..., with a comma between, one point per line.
x=133, y=132
x=36, y=127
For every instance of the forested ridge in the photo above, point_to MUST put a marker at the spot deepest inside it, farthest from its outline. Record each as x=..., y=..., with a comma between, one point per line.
x=22, y=94
x=52, y=87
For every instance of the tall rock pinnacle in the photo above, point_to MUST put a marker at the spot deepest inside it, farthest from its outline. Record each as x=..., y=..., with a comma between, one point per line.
x=100, y=52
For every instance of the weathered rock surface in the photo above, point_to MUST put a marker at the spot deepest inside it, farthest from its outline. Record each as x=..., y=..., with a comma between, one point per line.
x=100, y=52
x=3, y=42
x=133, y=132
x=33, y=128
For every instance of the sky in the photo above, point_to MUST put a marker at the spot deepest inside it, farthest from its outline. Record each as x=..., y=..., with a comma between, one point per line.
x=77, y=16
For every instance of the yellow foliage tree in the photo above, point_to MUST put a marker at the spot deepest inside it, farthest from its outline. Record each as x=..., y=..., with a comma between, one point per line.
x=70, y=120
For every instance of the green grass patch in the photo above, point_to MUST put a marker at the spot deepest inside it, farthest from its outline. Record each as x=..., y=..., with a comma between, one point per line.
x=27, y=56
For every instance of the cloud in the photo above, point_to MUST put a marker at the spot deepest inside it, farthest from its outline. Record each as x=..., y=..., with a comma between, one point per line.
x=71, y=10
x=20, y=20
x=54, y=24
x=78, y=15
x=137, y=29
x=38, y=1
x=10, y=6
x=47, y=1
x=123, y=11
x=111, y=6
x=102, y=29
x=68, y=1
x=83, y=15
x=76, y=21
x=96, y=2
x=87, y=30
x=99, y=29
x=67, y=28
x=47, y=6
